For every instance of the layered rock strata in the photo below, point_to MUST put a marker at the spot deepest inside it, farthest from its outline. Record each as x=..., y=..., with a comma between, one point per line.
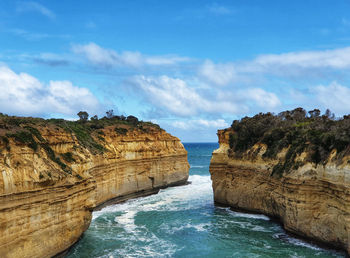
x=312, y=201
x=48, y=192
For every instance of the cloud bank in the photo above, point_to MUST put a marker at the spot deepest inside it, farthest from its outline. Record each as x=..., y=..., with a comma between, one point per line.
x=299, y=65
x=178, y=98
x=203, y=95
x=23, y=94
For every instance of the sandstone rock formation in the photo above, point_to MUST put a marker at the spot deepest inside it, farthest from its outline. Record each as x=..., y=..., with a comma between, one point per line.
x=312, y=201
x=50, y=181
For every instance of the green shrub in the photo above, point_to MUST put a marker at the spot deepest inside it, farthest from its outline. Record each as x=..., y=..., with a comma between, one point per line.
x=57, y=160
x=316, y=135
x=122, y=131
x=24, y=137
x=50, y=153
x=100, y=132
x=278, y=170
x=6, y=141
x=232, y=139
x=132, y=120
x=83, y=133
x=68, y=156
x=35, y=132
x=85, y=130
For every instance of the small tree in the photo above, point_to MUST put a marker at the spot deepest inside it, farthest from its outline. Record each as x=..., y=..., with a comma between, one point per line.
x=329, y=114
x=83, y=115
x=110, y=113
x=94, y=118
x=298, y=114
x=285, y=115
x=314, y=113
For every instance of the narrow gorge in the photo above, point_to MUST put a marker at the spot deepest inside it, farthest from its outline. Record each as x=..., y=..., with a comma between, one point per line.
x=54, y=173
x=291, y=167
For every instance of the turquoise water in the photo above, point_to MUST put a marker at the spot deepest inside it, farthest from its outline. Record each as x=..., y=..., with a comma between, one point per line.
x=183, y=222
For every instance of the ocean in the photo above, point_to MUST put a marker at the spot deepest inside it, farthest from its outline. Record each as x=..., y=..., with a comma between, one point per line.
x=184, y=222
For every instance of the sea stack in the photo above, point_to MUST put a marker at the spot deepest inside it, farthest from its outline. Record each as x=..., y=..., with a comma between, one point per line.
x=292, y=167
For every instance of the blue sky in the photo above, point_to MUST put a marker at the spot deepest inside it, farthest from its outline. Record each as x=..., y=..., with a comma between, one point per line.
x=190, y=66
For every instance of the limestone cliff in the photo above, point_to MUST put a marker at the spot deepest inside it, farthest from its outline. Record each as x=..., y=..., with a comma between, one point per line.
x=311, y=200
x=54, y=173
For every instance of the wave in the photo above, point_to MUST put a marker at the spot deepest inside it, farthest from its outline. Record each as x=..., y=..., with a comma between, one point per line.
x=179, y=198
x=298, y=242
x=249, y=215
x=244, y=215
x=149, y=239
x=170, y=229
x=184, y=197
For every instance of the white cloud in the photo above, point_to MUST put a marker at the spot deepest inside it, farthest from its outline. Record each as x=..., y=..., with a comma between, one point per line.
x=172, y=94
x=334, y=96
x=220, y=74
x=296, y=65
x=35, y=7
x=103, y=57
x=336, y=58
x=261, y=97
x=179, y=98
x=23, y=94
x=200, y=123
x=97, y=55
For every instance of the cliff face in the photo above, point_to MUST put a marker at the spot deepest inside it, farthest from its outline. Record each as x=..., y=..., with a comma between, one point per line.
x=311, y=200
x=49, y=187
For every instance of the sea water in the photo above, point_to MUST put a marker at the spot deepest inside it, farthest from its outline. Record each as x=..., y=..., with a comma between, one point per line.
x=184, y=222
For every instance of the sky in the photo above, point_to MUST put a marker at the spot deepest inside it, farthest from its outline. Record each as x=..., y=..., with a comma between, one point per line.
x=191, y=66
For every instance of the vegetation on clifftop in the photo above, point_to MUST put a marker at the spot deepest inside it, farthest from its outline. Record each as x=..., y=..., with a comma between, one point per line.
x=296, y=130
x=89, y=133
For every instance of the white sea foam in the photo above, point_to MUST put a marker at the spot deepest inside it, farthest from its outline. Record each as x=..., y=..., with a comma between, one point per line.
x=245, y=215
x=171, y=229
x=295, y=241
x=185, y=197
x=260, y=229
x=250, y=216
x=127, y=220
x=194, y=196
x=178, y=198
